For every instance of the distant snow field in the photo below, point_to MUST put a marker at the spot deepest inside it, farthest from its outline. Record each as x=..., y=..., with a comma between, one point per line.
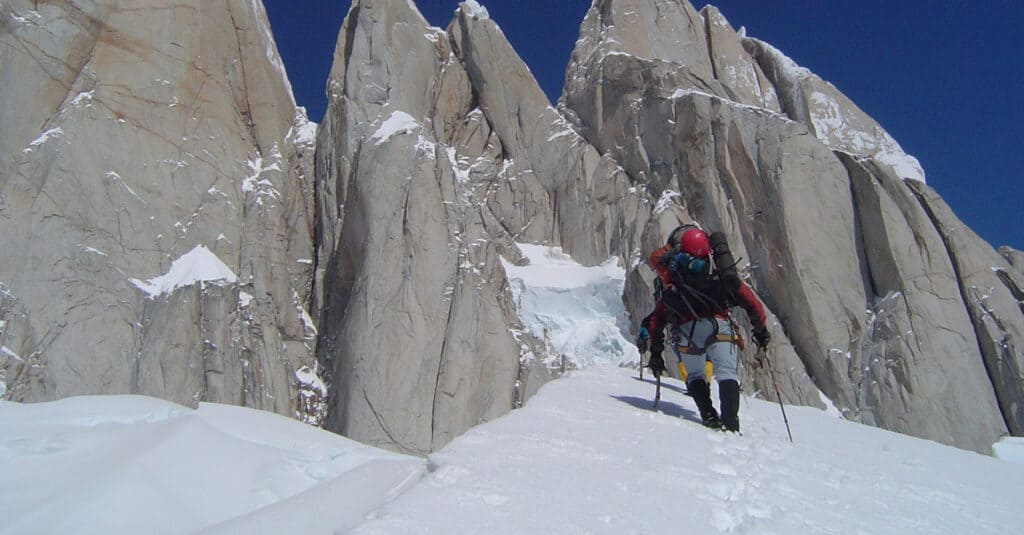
x=587, y=454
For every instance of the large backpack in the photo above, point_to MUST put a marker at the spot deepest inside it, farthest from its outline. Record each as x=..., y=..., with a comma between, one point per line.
x=708, y=294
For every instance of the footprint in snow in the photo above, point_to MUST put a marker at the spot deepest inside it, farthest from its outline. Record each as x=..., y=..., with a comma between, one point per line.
x=724, y=469
x=446, y=476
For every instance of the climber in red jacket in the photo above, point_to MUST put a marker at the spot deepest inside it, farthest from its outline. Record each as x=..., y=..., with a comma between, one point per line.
x=694, y=304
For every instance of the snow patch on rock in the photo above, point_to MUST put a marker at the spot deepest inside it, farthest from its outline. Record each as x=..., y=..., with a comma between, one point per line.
x=261, y=187
x=303, y=131
x=839, y=126
x=43, y=138
x=474, y=9
x=398, y=122
x=666, y=200
x=197, y=266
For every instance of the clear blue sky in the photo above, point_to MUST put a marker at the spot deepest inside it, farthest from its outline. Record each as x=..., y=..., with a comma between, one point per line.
x=944, y=77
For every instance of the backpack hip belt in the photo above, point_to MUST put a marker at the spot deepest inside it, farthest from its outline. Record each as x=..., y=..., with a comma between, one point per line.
x=694, y=349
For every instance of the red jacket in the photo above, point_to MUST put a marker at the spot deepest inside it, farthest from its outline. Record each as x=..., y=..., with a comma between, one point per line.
x=685, y=304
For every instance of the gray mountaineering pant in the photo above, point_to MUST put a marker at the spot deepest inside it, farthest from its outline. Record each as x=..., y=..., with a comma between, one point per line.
x=700, y=340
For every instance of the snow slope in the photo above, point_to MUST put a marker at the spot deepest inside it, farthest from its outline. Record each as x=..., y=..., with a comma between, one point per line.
x=133, y=464
x=587, y=454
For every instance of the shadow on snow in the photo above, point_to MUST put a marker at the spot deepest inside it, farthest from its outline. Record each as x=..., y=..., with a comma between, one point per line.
x=665, y=407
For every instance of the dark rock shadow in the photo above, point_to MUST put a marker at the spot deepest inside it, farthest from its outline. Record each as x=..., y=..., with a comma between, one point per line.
x=664, y=407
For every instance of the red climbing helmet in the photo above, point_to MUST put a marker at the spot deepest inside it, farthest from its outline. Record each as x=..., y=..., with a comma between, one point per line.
x=691, y=240
x=694, y=242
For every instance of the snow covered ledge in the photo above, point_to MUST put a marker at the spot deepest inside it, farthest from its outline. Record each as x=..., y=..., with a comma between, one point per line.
x=196, y=266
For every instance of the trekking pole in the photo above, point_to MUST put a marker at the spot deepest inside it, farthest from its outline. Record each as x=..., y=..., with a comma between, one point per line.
x=657, y=390
x=642, y=365
x=771, y=371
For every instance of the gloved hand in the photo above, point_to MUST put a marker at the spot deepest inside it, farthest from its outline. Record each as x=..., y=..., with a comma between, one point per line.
x=656, y=363
x=641, y=339
x=761, y=337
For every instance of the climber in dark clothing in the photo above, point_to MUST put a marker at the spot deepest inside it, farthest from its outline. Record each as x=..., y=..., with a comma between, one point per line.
x=694, y=304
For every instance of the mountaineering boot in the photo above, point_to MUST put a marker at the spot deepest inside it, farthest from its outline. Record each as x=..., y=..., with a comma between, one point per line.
x=729, y=397
x=701, y=393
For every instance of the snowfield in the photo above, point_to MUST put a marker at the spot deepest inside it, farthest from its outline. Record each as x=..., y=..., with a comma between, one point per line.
x=587, y=454
x=133, y=464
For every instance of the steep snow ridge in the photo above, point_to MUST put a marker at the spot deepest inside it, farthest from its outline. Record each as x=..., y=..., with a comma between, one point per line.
x=196, y=266
x=833, y=123
x=830, y=124
x=905, y=165
x=791, y=71
x=577, y=310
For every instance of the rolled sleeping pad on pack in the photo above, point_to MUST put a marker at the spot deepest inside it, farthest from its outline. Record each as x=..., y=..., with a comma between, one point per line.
x=725, y=264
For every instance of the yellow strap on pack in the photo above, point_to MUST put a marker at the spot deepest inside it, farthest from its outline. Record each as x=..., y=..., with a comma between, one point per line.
x=686, y=350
